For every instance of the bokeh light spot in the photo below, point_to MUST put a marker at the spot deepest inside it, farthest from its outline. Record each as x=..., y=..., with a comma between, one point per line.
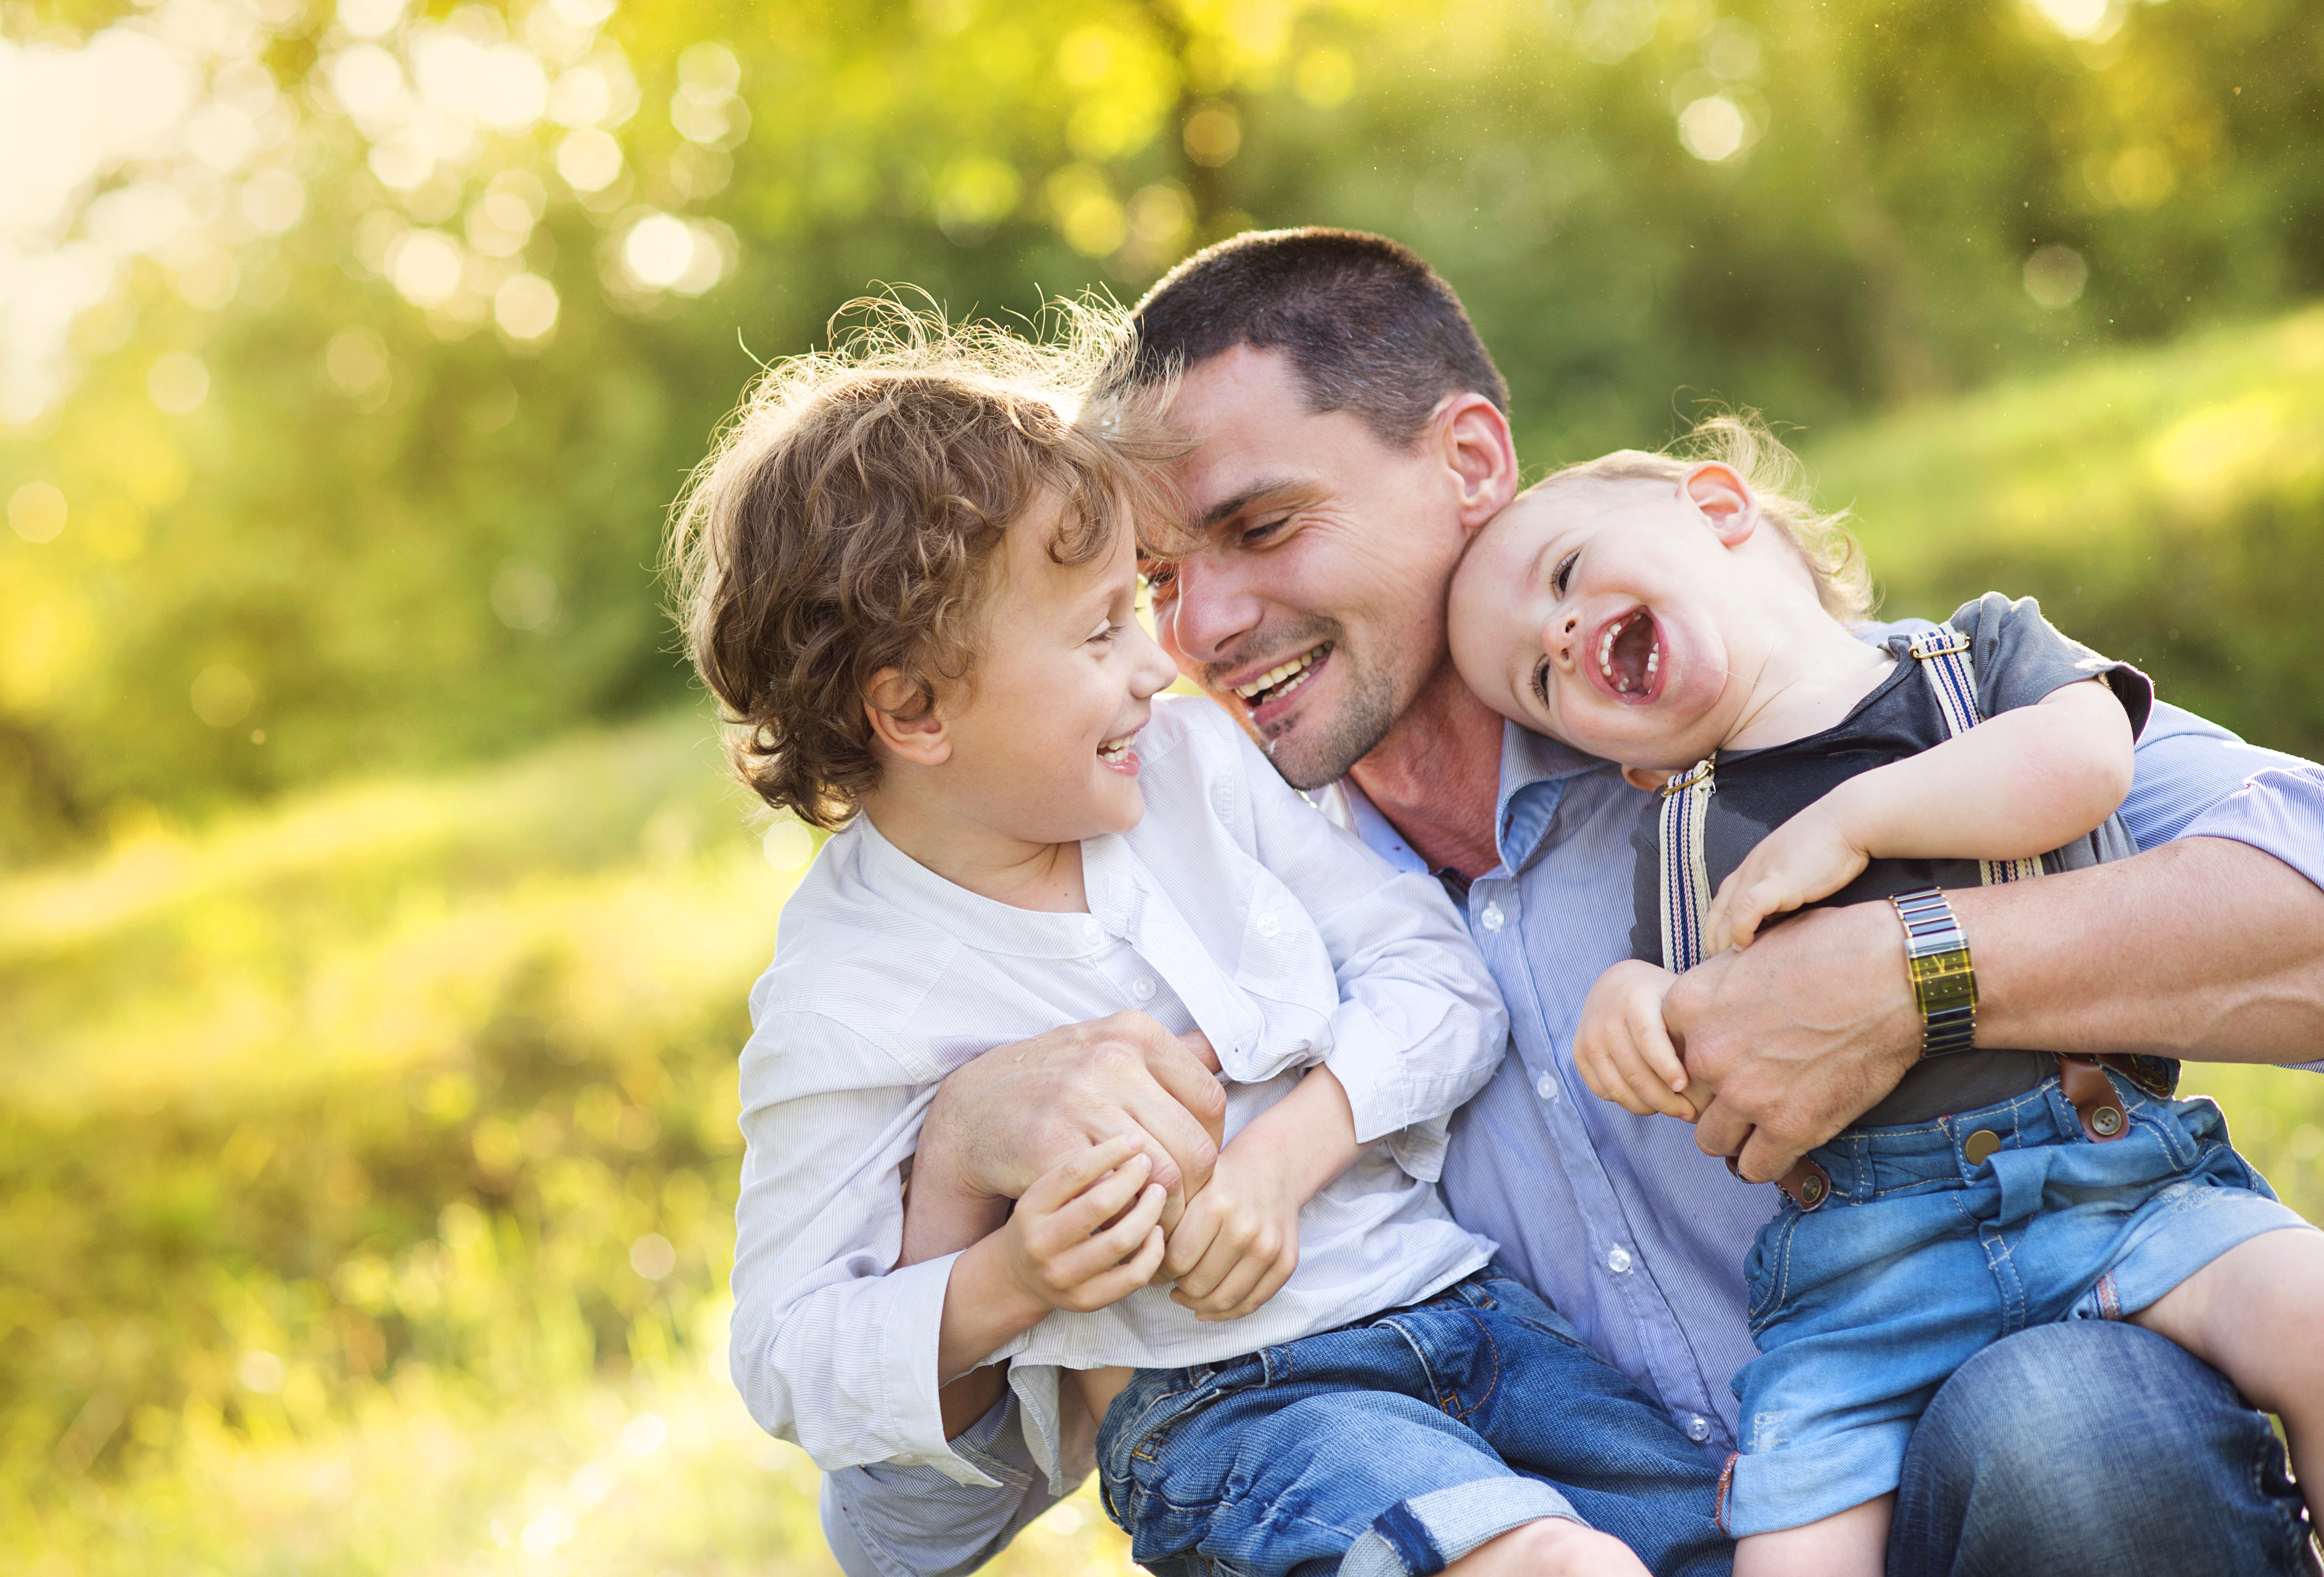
x=2054, y=277
x=178, y=382
x=652, y=1257
x=524, y=597
x=525, y=307
x=1712, y=129
x=1214, y=136
x=787, y=846
x=588, y=160
x=36, y=511
x=223, y=694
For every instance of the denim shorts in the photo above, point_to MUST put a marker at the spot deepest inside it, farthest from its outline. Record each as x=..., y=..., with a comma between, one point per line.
x=1919, y=1258
x=1398, y=1443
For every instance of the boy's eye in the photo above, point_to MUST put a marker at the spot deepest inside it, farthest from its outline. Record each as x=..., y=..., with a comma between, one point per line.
x=1562, y=573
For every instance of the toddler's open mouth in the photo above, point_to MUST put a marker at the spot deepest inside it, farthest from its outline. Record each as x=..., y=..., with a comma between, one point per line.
x=1630, y=654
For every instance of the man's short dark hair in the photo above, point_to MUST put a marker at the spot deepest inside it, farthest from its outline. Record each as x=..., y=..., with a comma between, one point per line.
x=1367, y=325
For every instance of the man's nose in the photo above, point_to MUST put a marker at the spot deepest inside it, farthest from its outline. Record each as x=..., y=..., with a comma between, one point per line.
x=1215, y=607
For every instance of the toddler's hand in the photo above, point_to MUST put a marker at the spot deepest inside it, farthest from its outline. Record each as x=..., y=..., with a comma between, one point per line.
x=1238, y=1240
x=1085, y=1234
x=1624, y=1052
x=1809, y=857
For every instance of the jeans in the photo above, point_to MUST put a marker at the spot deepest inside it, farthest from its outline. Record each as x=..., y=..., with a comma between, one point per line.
x=1394, y=1445
x=2094, y=1450
x=1932, y=1248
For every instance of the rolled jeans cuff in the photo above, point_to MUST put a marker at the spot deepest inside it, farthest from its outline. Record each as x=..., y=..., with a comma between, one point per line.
x=1422, y=1535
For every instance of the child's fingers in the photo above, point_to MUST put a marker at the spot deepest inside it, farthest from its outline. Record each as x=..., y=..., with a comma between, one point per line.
x=1101, y=1203
x=1088, y=1268
x=1076, y=1172
x=1190, y=1240
x=1108, y=1287
x=1269, y=1286
x=1650, y=1040
x=1603, y=1071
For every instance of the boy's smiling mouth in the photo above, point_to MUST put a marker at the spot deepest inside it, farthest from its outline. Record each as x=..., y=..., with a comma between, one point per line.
x=1115, y=752
x=1628, y=656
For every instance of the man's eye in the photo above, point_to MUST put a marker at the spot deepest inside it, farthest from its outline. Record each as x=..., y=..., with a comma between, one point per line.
x=1159, y=576
x=1264, y=530
x=1562, y=573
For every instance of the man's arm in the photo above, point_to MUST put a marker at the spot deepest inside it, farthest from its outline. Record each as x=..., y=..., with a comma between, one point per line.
x=2207, y=948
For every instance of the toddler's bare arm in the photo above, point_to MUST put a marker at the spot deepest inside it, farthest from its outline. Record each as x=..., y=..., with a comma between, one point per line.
x=2018, y=785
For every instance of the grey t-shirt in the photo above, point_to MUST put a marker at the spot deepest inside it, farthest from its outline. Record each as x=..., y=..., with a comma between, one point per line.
x=2019, y=658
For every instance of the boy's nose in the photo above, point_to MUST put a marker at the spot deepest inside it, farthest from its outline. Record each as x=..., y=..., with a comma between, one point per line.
x=1561, y=641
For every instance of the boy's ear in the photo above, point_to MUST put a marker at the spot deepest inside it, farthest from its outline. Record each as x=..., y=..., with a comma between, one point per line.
x=904, y=723
x=1646, y=777
x=1725, y=499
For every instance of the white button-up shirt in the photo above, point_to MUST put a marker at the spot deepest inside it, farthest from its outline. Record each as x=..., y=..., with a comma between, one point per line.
x=1233, y=908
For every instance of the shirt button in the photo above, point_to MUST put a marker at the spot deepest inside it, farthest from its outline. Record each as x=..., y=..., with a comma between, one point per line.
x=1698, y=1429
x=1545, y=1087
x=1492, y=917
x=1091, y=931
x=1618, y=1260
x=1142, y=987
x=1268, y=924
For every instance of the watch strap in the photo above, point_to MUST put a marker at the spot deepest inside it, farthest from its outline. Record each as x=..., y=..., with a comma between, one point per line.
x=1944, y=983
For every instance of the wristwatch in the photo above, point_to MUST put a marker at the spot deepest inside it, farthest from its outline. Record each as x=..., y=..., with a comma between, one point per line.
x=1936, y=955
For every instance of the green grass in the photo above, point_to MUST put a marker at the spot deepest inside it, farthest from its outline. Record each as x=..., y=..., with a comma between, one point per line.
x=367, y=1161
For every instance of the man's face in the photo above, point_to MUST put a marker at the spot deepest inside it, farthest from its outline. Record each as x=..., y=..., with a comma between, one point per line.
x=1311, y=604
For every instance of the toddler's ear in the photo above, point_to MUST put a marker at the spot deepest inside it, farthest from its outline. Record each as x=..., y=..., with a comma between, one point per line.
x=905, y=720
x=1725, y=500
x=1646, y=777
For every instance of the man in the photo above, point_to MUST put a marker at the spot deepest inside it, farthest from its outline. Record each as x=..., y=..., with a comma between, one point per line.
x=1349, y=434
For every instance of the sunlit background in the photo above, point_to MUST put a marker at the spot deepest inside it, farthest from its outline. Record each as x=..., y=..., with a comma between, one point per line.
x=374, y=923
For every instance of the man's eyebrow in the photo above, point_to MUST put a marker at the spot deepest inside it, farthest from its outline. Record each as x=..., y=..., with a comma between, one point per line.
x=1267, y=487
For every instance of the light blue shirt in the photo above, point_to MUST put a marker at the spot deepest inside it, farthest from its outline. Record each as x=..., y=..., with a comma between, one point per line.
x=1621, y=1221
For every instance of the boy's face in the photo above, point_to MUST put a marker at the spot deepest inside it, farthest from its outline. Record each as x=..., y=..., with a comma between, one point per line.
x=1042, y=733
x=1615, y=616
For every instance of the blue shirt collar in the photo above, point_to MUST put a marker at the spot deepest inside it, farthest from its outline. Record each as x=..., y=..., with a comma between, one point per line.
x=1533, y=772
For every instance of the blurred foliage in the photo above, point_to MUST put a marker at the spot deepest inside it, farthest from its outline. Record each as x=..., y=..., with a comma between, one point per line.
x=2167, y=506
x=366, y=1140
x=371, y=1207
x=358, y=388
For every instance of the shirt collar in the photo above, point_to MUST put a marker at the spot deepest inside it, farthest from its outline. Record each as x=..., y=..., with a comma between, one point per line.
x=1108, y=876
x=1535, y=768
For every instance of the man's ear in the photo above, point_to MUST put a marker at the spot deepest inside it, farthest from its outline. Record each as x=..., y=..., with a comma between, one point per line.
x=1480, y=454
x=1646, y=777
x=1725, y=499
x=906, y=722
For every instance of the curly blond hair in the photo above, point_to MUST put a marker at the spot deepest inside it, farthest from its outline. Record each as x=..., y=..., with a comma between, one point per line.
x=1742, y=442
x=848, y=517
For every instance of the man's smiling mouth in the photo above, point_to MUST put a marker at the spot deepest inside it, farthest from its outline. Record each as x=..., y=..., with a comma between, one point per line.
x=1283, y=679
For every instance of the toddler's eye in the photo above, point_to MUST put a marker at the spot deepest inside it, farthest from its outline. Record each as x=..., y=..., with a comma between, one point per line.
x=1562, y=573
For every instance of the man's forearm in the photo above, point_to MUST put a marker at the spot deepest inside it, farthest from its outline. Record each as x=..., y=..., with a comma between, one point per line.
x=2204, y=949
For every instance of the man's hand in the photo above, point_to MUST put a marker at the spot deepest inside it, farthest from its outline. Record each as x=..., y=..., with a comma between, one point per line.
x=1797, y=1035
x=1238, y=1242
x=1017, y=1112
x=1623, y=1051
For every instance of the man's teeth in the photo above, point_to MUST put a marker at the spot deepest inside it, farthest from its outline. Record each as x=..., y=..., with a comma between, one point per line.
x=1276, y=676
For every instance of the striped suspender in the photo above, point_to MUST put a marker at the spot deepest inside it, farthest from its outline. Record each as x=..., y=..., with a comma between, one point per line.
x=1686, y=878
x=1943, y=656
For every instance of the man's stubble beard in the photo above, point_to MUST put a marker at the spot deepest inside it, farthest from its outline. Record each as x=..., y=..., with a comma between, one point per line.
x=1318, y=751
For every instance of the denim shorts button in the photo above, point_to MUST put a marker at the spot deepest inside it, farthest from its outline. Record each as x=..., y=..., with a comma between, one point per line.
x=1979, y=1145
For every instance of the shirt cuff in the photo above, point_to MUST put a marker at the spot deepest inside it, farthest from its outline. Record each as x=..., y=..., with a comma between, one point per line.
x=1387, y=1092
x=908, y=1357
